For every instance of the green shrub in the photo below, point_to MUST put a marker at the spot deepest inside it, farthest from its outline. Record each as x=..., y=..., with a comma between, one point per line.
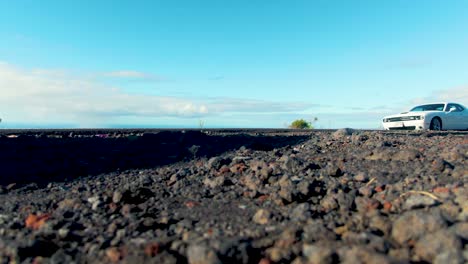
x=301, y=124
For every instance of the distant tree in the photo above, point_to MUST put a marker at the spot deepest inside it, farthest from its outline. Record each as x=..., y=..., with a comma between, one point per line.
x=301, y=124
x=201, y=123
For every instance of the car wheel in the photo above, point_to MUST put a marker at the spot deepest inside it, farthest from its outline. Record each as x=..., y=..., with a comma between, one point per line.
x=436, y=124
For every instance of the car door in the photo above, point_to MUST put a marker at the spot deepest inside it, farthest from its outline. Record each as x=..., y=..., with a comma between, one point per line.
x=448, y=119
x=454, y=119
x=463, y=118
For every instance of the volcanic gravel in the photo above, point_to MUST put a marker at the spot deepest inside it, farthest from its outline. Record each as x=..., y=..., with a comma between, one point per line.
x=345, y=196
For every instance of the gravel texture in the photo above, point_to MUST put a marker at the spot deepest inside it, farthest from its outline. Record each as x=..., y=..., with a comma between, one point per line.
x=345, y=196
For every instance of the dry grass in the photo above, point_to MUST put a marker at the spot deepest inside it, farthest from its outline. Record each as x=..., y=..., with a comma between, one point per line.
x=371, y=181
x=422, y=193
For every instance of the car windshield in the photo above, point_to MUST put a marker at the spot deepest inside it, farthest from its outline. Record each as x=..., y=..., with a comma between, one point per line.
x=429, y=107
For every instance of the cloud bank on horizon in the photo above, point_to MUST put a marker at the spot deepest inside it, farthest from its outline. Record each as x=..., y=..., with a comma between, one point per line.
x=228, y=64
x=51, y=96
x=44, y=96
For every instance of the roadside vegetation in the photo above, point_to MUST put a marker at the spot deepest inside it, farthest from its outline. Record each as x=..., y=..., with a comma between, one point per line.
x=302, y=124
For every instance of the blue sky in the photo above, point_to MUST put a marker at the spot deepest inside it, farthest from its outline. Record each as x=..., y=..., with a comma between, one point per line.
x=227, y=63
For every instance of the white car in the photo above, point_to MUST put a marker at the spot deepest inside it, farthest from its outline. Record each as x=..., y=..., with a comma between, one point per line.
x=435, y=116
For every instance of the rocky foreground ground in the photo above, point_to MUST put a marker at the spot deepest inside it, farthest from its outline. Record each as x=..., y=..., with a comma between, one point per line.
x=327, y=197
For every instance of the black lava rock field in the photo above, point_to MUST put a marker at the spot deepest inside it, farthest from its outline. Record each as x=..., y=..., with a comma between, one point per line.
x=221, y=196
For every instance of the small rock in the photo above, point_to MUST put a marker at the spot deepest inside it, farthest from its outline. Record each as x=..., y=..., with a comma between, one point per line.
x=463, y=215
x=93, y=199
x=345, y=201
x=379, y=223
x=63, y=232
x=460, y=172
x=116, y=197
x=261, y=169
x=202, y=254
x=329, y=202
x=343, y=132
x=61, y=257
x=36, y=221
x=145, y=180
x=362, y=255
x=459, y=153
x=460, y=229
x=287, y=193
x=239, y=159
x=251, y=182
x=364, y=205
x=366, y=191
x=262, y=217
x=215, y=182
x=439, y=165
x=315, y=231
x=318, y=254
x=289, y=163
x=113, y=254
x=361, y=177
x=264, y=261
x=406, y=155
x=68, y=203
x=216, y=163
x=358, y=138
x=277, y=254
x=288, y=189
x=449, y=210
x=152, y=249
x=301, y=212
x=414, y=224
x=402, y=255
x=309, y=188
x=237, y=168
x=418, y=201
x=365, y=238
x=383, y=154
x=332, y=170
x=433, y=244
x=450, y=257
x=174, y=178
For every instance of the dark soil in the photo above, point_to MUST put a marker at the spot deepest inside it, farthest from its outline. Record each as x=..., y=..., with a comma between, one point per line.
x=343, y=196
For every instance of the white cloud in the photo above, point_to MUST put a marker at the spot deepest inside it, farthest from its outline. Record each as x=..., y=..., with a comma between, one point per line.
x=364, y=119
x=38, y=96
x=256, y=106
x=455, y=94
x=458, y=94
x=53, y=96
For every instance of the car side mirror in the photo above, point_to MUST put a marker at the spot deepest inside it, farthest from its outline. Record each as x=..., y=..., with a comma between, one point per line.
x=452, y=109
